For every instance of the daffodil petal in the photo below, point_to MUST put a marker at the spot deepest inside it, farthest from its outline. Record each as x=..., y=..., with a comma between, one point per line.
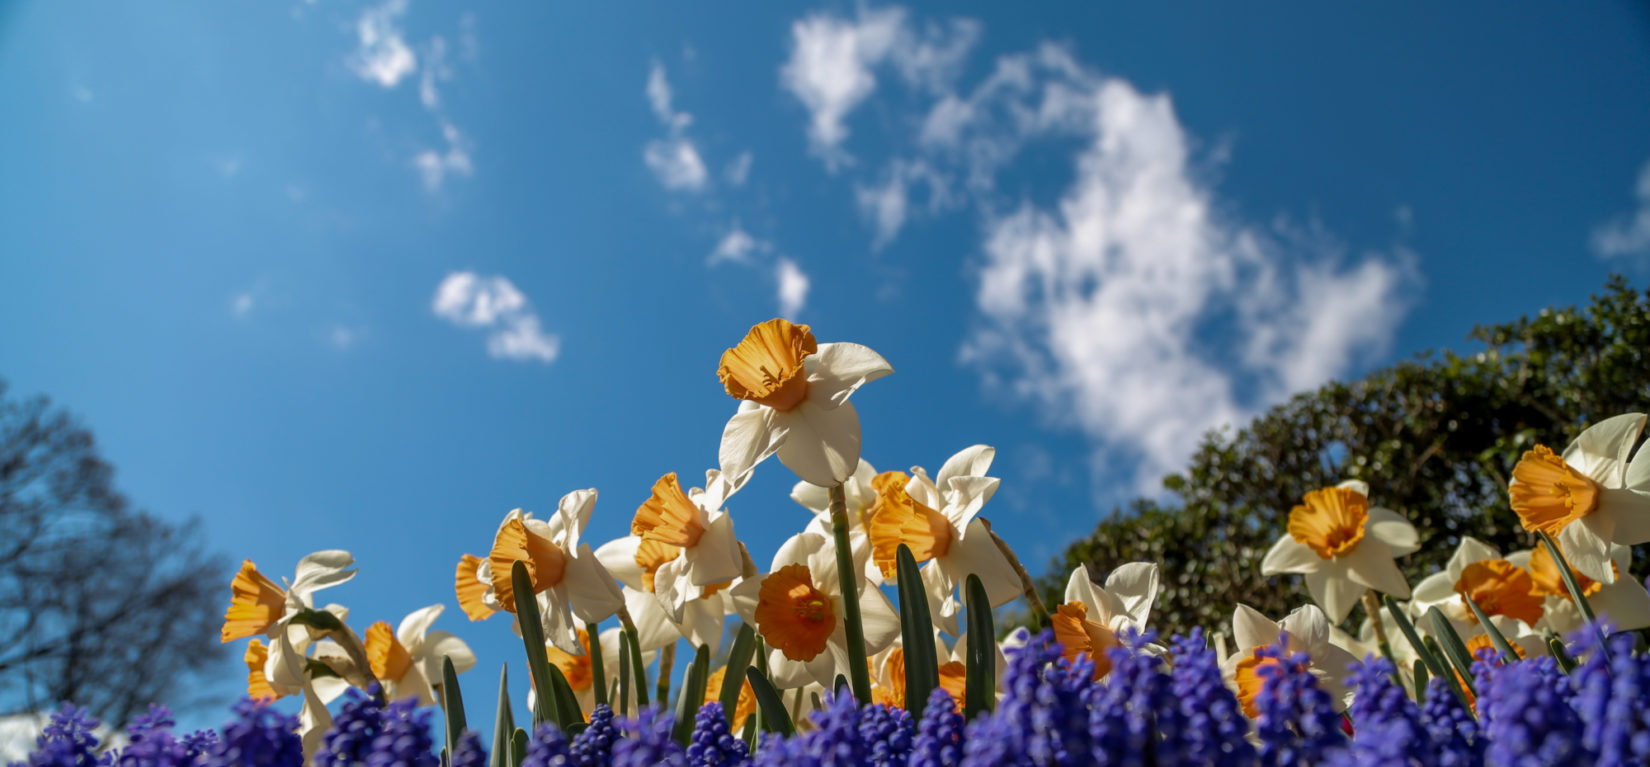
x=1586, y=543
x=1629, y=511
x=1638, y=472
x=821, y=446
x=594, y=594
x=1370, y=564
x=1135, y=585
x=440, y=644
x=716, y=557
x=972, y=461
x=880, y=619
x=1251, y=629
x=417, y=623
x=839, y=369
x=1470, y=550
x=751, y=435
x=653, y=627
x=976, y=553
x=1290, y=556
x=1308, y=625
x=619, y=557
x=1390, y=528
x=1601, y=451
x=1625, y=603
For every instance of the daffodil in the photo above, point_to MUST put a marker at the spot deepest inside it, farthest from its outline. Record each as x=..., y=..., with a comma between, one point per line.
x=937, y=519
x=664, y=605
x=259, y=606
x=694, y=526
x=888, y=673
x=1093, y=616
x=1343, y=546
x=568, y=580
x=1624, y=603
x=793, y=395
x=798, y=606
x=1477, y=570
x=1306, y=629
x=1589, y=497
x=742, y=709
x=407, y=661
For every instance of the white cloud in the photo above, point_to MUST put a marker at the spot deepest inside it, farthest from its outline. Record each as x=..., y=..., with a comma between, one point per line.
x=82, y=94
x=435, y=71
x=1135, y=309
x=1628, y=235
x=884, y=205
x=435, y=166
x=793, y=287
x=344, y=338
x=830, y=69
x=674, y=160
x=470, y=300
x=242, y=304
x=737, y=246
x=739, y=170
x=382, y=55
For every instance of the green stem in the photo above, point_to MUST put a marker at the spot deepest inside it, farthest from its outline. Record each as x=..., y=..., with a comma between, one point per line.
x=859, y=670
x=667, y=665
x=1574, y=588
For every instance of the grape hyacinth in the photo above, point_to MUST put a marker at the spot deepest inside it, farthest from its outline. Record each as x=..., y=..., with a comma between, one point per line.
x=594, y=746
x=939, y=737
x=650, y=742
x=353, y=732
x=712, y=745
x=1298, y=724
x=549, y=748
x=1216, y=729
x=469, y=752
x=68, y=740
x=259, y=737
x=404, y=740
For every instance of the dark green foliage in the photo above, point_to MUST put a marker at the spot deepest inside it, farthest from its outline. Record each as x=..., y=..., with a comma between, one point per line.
x=1435, y=437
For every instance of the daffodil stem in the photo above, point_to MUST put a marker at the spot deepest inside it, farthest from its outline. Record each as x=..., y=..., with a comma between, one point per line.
x=346, y=638
x=859, y=669
x=1027, y=585
x=667, y=666
x=1576, y=594
x=1372, y=606
x=639, y=673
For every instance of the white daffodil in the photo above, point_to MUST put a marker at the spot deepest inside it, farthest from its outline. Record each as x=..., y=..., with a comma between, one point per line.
x=259, y=606
x=314, y=720
x=694, y=527
x=1591, y=496
x=1477, y=570
x=579, y=670
x=1624, y=603
x=1306, y=629
x=798, y=606
x=567, y=578
x=663, y=604
x=407, y=661
x=859, y=496
x=793, y=396
x=1092, y=617
x=936, y=519
x=1343, y=546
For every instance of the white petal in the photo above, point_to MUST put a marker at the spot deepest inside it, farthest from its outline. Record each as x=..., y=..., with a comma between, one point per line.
x=1357, y=486
x=1390, y=527
x=923, y=490
x=787, y=674
x=1080, y=587
x=1638, y=472
x=1370, y=564
x=653, y=628
x=439, y=645
x=1433, y=591
x=619, y=557
x=939, y=583
x=1625, y=603
x=413, y=627
x=573, y=512
x=559, y=628
x=1135, y=583
x=745, y=595
x=799, y=549
x=321, y=570
x=1587, y=546
x=752, y=434
x=1333, y=591
x=672, y=590
x=822, y=445
x=1629, y=511
x=811, y=496
x=1469, y=551
x=879, y=618
x=973, y=461
x=1251, y=629
x=840, y=368
x=702, y=624
x=976, y=553
x=595, y=596
x=1601, y=451
x=715, y=559
x=1309, y=625
x=1290, y=556
x=965, y=498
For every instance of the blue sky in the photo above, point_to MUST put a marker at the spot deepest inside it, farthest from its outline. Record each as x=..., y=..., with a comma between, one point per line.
x=1082, y=233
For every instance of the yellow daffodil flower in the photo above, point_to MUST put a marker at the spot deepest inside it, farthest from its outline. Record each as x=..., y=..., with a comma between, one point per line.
x=259, y=606
x=1477, y=570
x=1307, y=630
x=1589, y=497
x=1624, y=603
x=1343, y=546
x=1092, y=617
x=568, y=580
x=407, y=661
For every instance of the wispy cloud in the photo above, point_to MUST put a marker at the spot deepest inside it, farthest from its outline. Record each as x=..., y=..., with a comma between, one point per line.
x=435, y=166
x=241, y=304
x=737, y=246
x=434, y=73
x=343, y=337
x=793, y=287
x=674, y=159
x=739, y=169
x=1628, y=234
x=1135, y=308
x=493, y=303
x=382, y=55
x=832, y=63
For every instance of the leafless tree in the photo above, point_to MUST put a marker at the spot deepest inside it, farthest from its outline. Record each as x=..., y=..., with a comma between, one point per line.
x=101, y=603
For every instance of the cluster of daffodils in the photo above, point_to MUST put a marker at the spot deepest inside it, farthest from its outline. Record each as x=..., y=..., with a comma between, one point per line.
x=868, y=637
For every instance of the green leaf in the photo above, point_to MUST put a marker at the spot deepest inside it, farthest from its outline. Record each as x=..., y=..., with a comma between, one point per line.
x=1555, y=646
x=624, y=674
x=733, y=678
x=1503, y=650
x=1420, y=670
x=749, y=735
x=1570, y=583
x=638, y=669
x=567, y=708
x=1454, y=649
x=598, y=667
x=980, y=690
x=317, y=619
x=691, y=696
x=775, y=718
x=922, y=666
x=1434, y=663
x=859, y=670
x=518, y=747
x=532, y=638
x=453, y=702
x=1449, y=676
x=504, y=722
